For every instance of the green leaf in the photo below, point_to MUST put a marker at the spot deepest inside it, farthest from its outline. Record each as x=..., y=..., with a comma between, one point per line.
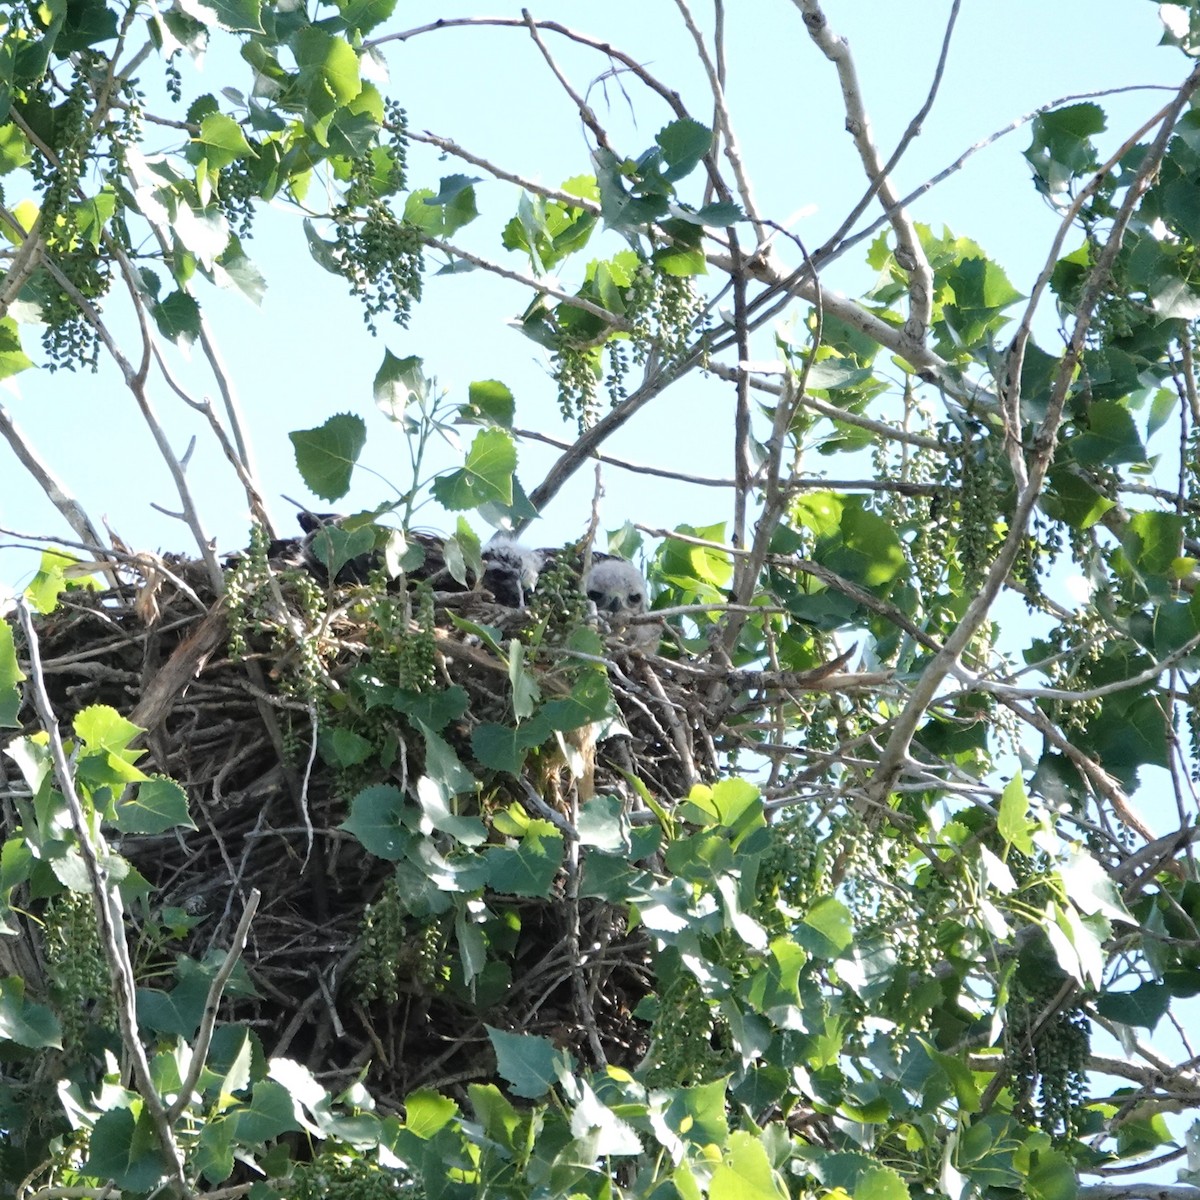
x=14, y=148
x=1061, y=149
x=1153, y=541
x=326, y=456
x=102, y=728
x=470, y=831
x=683, y=143
x=442, y=764
x=528, y=1063
x=88, y=23
x=398, y=383
x=1072, y=499
x=1092, y=889
x=10, y=677
x=525, y=693
x=1161, y=408
x=737, y=804
x=439, y=220
x=24, y=1022
x=343, y=747
x=234, y=268
x=1013, y=820
x=153, y=806
x=774, y=987
x=434, y=710
x=268, y=1114
x=1145, y=1006
x=622, y=211
x=598, y=1127
x=487, y=475
x=1111, y=437
x=720, y=213
x=335, y=546
x=881, y=1183
x=375, y=819
x=178, y=318
x=1076, y=947
x=697, y=1115
x=602, y=824
x=213, y=1156
x=427, y=1111
x=328, y=70
x=324, y=253
x=1129, y=734
x=529, y=868
x=1051, y=1175
x=500, y=1120
x=452, y=187
x=223, y=140
x=125, y=1151
x=498, y=747
x=234, y=16
x=745, y=1173
x=489, y=400
x=681, y=261
x=962, y=1080
x=12, y=358
x=865, y=549
x=827, y=929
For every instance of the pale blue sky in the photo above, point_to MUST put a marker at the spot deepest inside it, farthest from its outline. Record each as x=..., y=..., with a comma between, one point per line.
x=306, y=354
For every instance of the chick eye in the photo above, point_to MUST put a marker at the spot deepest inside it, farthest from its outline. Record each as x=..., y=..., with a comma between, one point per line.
x=595, y=597
x=634, y=599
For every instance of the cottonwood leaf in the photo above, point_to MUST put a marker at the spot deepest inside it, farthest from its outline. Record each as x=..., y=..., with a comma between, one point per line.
x=25, y=1022
x=10, y=676
x=441, y=220
x=827, y=929
x=1012, y=822
x=486, y=476
x=153, y=806
x=1111, y=437
x=529, y=868
x=529, y=1063
x=470, y=831
x=491, y=401
x=399, y=382
x=683, y=143
x=326, y=456
x=12, y=358
x=124, y=1151
x=375, y=819
x=234, y=16
x=427, y=1111
x=498, y=747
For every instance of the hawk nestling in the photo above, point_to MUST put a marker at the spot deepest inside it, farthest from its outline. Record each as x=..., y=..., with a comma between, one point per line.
x=619, y=592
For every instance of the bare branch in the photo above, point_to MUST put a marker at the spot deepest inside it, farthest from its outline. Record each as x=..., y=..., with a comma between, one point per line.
x=107, y=903
x=725, y=124
x=538, y=285
x=211, y=1003
x=909, y=252
x=56, y=491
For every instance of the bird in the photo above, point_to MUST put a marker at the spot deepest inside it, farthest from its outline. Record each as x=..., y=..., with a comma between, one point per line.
x=616, y=587
x=510, y=569
x=510, y=573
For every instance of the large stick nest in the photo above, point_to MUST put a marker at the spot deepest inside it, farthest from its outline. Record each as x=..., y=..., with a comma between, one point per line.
x=267, y=813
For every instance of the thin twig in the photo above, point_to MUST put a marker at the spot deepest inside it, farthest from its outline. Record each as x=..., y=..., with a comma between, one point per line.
x=211, y=1003
x=107, y=905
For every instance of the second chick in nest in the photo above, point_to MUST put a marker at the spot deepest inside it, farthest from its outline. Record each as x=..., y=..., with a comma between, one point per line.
x=619, y=592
